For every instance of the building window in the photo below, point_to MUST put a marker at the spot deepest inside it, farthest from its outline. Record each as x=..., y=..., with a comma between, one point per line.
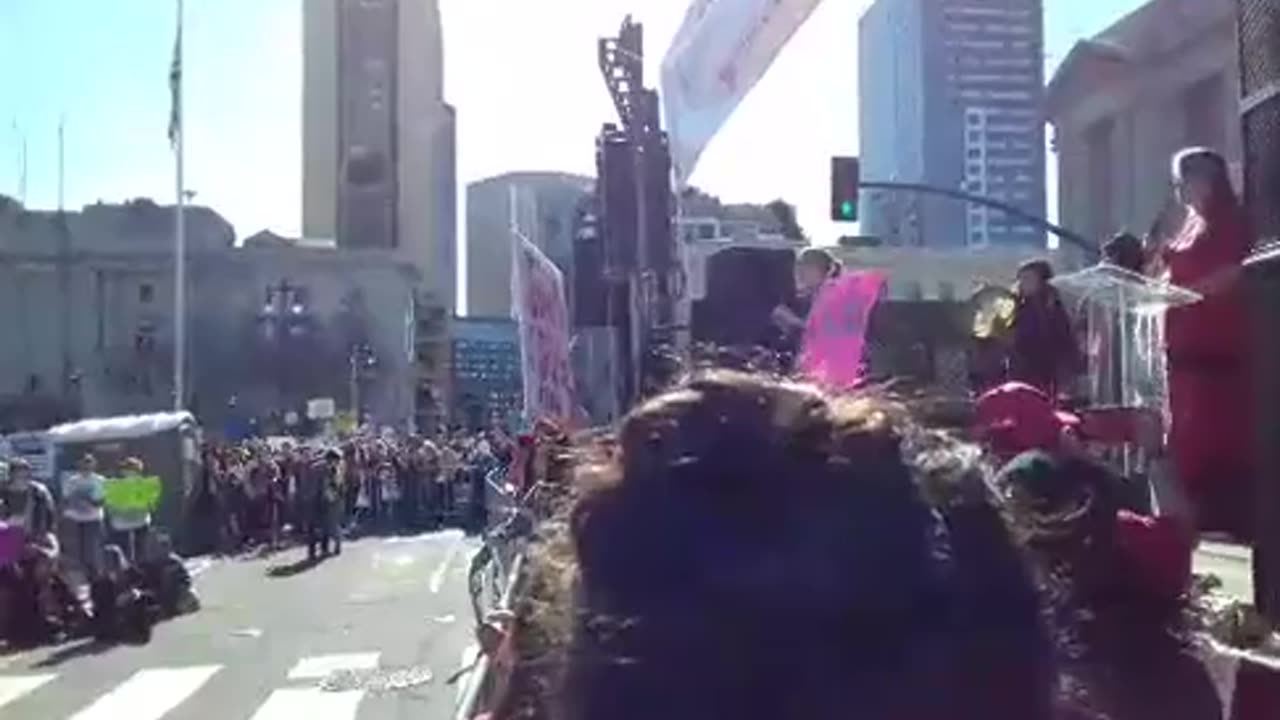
x=144, y=339
x=146, y=293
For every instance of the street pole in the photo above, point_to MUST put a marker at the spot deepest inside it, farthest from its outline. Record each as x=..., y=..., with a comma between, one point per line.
x=355, y=386
x=1090, y=248
x=180, y=239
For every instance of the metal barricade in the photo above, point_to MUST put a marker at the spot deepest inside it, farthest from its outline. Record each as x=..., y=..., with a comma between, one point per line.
x=479, y=679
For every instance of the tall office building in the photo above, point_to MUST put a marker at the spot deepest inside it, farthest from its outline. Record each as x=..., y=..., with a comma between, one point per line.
x=378, y=138
x=951, y=94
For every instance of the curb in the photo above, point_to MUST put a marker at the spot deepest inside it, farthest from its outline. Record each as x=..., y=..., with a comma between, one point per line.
x=1224, y=551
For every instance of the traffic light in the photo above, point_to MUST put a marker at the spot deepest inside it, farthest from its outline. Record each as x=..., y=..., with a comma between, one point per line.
x=844, y=189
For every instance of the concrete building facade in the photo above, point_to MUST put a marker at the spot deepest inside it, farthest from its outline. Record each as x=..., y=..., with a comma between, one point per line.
x=86, y=305
x=546, y=209
x=942, y=275
x=951, y=95
x=379, y=165
x=1123, y=102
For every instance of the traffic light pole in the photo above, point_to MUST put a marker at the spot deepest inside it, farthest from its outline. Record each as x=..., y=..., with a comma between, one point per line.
x=1091, y=249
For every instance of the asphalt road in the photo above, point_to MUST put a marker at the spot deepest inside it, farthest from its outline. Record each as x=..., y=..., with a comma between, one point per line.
x=370, y=635
x=1232, y=564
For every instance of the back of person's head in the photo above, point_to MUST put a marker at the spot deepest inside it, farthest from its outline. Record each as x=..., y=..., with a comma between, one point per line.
x=1040, y=268
x=821, y=260
x=759, y=550
x=1124, y=250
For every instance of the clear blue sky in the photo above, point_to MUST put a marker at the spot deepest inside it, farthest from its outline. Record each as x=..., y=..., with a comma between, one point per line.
x=103, y=64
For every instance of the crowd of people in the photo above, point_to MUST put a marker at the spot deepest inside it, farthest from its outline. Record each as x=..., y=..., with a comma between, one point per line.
x=748, y=546
x=751, y=547
x=87, y=569
x=260, y=493
x=132, y=575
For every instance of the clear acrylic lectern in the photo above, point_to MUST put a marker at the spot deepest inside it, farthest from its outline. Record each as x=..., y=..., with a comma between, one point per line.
x=1125, y=313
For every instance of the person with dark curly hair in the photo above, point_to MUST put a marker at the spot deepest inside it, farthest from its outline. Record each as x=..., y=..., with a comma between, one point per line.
x=756, y=549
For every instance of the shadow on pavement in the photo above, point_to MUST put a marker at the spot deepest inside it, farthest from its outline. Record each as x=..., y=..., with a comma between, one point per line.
x=294, y=568
x=79, y=649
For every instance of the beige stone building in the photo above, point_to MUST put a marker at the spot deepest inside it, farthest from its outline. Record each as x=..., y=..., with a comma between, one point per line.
x=86, y=310
x=1162, y=78
x=378, y=155
x=916, y=273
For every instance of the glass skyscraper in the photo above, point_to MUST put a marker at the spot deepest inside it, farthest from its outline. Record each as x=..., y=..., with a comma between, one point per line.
x=951, y=94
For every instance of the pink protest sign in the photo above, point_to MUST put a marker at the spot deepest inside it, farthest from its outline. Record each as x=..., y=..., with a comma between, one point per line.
x=836, y=334
x=543, y=319
x=12, y=539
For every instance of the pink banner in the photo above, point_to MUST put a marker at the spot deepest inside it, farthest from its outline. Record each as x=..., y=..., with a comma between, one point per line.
x=12, y=540
x=836, y=334
x=543, y=318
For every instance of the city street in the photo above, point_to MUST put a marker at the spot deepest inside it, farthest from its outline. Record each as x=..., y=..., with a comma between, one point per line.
x=371, y=634
x=1232, y=564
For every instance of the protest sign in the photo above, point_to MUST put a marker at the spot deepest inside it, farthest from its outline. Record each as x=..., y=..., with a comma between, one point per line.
x=132, y=494
x=836, y=334
x=543, y=319
x=12, y=540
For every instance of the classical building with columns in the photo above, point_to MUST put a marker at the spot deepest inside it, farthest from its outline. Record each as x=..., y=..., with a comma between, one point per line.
x=86, y=310
x=1124, y=101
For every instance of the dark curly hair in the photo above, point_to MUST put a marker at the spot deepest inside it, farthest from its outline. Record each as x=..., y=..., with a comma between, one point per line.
x=756, y=549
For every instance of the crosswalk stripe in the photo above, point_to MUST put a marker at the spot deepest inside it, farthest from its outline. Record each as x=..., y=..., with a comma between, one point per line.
x=148, y=694
x=311, y=704
x=316, y=667
x=12, y=688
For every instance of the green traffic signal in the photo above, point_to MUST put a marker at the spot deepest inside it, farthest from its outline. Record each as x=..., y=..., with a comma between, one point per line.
x=845, y=177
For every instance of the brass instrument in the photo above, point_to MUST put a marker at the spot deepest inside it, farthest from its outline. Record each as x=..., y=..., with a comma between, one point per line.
x=992, y=308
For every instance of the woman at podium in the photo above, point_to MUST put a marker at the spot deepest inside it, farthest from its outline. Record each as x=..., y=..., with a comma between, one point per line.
x=1208, y=345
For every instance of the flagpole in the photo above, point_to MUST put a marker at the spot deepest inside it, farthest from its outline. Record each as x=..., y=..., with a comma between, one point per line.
x=180, y=238
x=62, y=166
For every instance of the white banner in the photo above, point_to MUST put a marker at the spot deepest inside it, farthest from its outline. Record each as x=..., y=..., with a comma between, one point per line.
x=537, y=287
x=720, y=52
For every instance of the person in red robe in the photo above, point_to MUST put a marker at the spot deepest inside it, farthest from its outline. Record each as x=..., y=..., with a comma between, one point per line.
x=1208, y=346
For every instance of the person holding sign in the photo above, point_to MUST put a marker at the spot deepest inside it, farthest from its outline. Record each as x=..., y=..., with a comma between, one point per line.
x=814, y=268
x=130, y=499
x=26, y=510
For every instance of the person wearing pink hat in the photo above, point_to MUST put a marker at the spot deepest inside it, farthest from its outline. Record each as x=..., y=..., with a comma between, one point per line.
x=1016, y=417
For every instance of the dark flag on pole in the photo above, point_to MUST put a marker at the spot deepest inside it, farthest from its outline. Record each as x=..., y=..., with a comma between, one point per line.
x=175, y=87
